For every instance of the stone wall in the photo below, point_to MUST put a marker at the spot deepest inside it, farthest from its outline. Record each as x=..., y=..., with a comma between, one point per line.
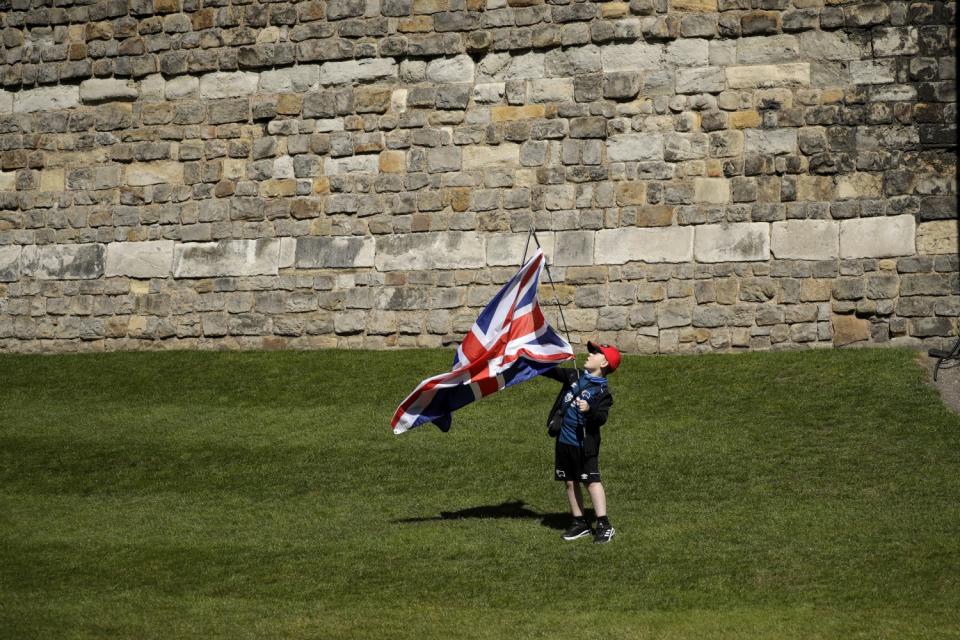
x=705, y=174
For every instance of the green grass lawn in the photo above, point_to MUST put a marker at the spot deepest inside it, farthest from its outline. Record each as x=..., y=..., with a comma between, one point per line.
x=262, y=495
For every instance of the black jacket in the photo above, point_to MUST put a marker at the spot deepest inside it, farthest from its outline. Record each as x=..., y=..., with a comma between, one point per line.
x=594, y=418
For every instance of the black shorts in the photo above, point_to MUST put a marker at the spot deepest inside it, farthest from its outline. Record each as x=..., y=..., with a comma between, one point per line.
x=571, y=465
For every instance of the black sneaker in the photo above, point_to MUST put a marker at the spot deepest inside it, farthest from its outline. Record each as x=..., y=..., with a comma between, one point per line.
x=577, y=530
x=603, y=534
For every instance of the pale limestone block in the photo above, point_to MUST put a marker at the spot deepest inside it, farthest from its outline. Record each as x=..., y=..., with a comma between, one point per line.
x=226, y=258
x=829, y=45
x=881, y=237
x=489, y=92
x=688, y=52
x=737, y=242
x=234, y=168
x=313, y=252
x=506, y=249
x=54, y=179
x=6, y=102
x=106, y=89
x=571, y=61
x=457, y=69
x=768, y=49
x=859, y=185
x=701, y=80
x=288, y=252
x=426, y=251
x=139, y=174
x=8, y=180
x=62, y=261
x=351, y=71
x=327, y=125
x=232, y=84
x=768, y=75
x=628, y=147
x=937, y=237
x=398, y=100
x=551, y=90
x=711, y=190
x=897, y=41
x=46, y=99
x=770, y=141
x=637, y=56
x=149, y=259
x=182, y=88
x=499, y=67
x=881, y=71
x=10, y=263
x=153, y=88
x=369, y=163
x=506, y=154
x=632, y=244
x=296, y=79
x=805, y=239
x=283, y=167
x=574, y=248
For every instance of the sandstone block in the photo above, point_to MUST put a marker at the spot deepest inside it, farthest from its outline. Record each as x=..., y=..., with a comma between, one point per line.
x=805, y=240
x=768, y=75
x=392, y=161
x=848, y=329
x=433, y=250
x=62, y=261
x=510, y=114
x=631, y=244
x=363, y=70
x=506, y=154
x=938, y=237
x=737, y=242
x=745, y=119
x=631, y=193
x=817, y=188
x=140, y=174
x=46, y=99
x=635, y=147
x=859, y=185
x=228, y=84
x=694, y=5
x=457, y=69
x=334, y=252
x=106, y=89
x=711, y=190
x=150, y=259
x=10, y=263
x=881, y=237
x=226, y=258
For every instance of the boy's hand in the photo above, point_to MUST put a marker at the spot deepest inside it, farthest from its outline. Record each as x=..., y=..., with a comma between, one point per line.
x=583, y=406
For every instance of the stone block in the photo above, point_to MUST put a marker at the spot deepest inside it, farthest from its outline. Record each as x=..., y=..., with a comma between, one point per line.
x=815, y=188
x=551, y=90
x=881, y=71
x=10, y=263
x=367, y=163
x=764, y=50
x=882, y=237
x=805, y=240
x=572, y=61
x=149, y=259
x=770, y=141
x=6, y=102
x=829, y=45
x=897, y=41
x=848, y=329
x=139, y=174
x=636, y=56
x=226, y=258
x=768, y=75
x=506, y=249
x=107, y=89
x=859, y=185
x=499, y=67
x=621, y=85
x=938, y=237
x=456, y=69
x=701, y=80
x=711, y=190
x=298, y=79
x=694, y=5
x=631, y=193
x=228, y=84
x=46, y=99
x=574, y=248
x=631, y=244
x=737, y=242
x=745, y=120
x=62, y=261
x=427, y=251
x=512, y=114
x=506, y=154
x=628, y=147
x=334, y=252
x=363, y=70
x=688, y=52
x=182, y=88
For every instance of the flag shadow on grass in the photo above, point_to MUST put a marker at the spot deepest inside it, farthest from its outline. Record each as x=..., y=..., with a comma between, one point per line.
x=511, y=509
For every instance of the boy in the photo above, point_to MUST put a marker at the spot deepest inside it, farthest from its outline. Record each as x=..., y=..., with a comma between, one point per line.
x=579, y=411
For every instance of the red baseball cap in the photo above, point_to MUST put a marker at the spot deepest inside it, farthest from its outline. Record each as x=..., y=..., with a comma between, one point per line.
x=609, y=352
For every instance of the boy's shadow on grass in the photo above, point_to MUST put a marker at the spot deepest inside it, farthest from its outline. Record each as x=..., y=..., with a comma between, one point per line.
x=511, y=509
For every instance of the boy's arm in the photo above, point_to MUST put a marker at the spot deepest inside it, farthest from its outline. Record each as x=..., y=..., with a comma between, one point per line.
x=561, y=374
x=597, y=414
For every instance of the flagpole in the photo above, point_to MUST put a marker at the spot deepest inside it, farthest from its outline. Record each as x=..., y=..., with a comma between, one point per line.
x=556, y=298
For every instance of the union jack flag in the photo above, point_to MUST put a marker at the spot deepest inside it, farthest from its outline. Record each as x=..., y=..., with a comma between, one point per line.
x=510, y=342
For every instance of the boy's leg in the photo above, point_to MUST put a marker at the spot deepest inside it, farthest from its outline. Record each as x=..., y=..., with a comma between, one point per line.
x=575, y=497
x=598, y=497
